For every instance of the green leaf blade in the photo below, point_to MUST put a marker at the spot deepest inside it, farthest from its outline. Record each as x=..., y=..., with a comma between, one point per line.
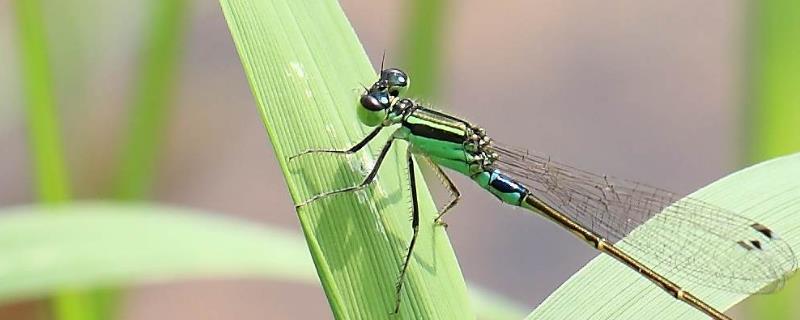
x=605, y=288
x=424, y=38
x=52, y=185
x=774, y=105
x=305, y=67
x=151, y=101
x=91, y=245
x=105, y=244
x=772, y=111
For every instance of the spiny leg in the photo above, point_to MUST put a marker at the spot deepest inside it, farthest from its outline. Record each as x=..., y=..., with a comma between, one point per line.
x=351, y=150
x=369, y=179
x=414, y=226
x=451, y=187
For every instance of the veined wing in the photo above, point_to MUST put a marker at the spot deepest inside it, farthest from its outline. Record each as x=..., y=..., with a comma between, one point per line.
x=707, y=244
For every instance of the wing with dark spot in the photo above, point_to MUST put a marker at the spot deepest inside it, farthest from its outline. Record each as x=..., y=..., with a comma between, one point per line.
x=687, y=238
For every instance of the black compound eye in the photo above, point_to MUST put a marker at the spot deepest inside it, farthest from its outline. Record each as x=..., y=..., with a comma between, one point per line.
x=396, y=79
x=375, y=101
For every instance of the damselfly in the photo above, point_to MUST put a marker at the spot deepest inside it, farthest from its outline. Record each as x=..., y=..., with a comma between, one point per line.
x=711, y=246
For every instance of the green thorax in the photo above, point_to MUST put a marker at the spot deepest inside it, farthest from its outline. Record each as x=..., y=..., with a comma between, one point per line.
x=442, y=138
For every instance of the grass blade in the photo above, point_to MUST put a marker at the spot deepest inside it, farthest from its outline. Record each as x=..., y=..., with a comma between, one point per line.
x=605, y=289
x=50, y=172
x=305, y=67
x=774, y=110
x=422, y=45
x=774, y=107
x=146, y=243
x=151, y=100
x=150, y=107
x=51, y=184
x=89, y=245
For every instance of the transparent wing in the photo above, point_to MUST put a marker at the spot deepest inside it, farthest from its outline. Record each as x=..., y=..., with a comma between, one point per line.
x=687, y=238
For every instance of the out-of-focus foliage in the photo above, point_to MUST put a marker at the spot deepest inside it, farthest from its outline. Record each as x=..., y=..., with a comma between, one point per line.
x=423, y=43
x=99, y=244
x=773, y=111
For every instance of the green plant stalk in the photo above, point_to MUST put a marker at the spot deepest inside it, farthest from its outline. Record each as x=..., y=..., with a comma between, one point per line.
x=151, y=100
x=422, y=51
x=774, y=107
x=774, y=111
x=50, y=173
x=605, y=289
x=149, y=109
x=422, y=44
x=305, y=67
x=51, y=181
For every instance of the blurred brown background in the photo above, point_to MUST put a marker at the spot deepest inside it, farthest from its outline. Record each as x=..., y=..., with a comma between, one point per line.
x=645, y=90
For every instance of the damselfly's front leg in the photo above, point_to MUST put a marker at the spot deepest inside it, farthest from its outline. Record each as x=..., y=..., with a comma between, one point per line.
x=351, y=150
x=414, y=226
x=455, y=195
x=365, y=183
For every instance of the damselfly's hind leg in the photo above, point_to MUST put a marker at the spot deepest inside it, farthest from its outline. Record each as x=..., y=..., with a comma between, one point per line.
x=351, y=150
x=365, y=183
x=414, y=227
x=455, y=195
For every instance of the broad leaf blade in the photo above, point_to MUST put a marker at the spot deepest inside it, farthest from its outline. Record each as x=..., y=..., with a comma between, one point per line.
x=605, y=289
x=306, y=68
x=89, y=245
x=97, y=244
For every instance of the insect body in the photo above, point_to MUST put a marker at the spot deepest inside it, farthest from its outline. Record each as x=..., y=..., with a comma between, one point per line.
x=713, y=246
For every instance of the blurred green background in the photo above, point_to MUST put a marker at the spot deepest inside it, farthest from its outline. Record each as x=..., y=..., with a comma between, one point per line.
x=147, y=101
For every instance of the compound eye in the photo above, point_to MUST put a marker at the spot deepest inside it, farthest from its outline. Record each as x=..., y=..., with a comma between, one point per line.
x=396, y=80
x=375, y=101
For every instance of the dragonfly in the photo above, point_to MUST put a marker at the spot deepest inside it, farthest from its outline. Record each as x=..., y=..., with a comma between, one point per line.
x=709, y=245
